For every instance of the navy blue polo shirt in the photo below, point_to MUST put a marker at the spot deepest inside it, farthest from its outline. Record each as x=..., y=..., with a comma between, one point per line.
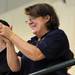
x=55, y=46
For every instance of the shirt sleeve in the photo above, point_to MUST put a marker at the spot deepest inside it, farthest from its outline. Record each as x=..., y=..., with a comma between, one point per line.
x=52, y=45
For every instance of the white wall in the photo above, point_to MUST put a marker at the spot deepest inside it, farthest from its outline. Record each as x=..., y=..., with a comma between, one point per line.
x=66, y=13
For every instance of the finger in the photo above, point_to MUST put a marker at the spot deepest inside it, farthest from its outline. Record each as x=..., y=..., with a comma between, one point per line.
x=1, y=33
x=0, y=29
x=11, y=26
x=4, y=39
x=0, y=25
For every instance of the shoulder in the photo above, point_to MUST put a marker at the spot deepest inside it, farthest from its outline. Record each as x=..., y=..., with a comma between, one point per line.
x=56, y=33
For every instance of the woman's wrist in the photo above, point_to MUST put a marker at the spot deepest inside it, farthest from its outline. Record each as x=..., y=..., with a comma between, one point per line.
x=13, y=35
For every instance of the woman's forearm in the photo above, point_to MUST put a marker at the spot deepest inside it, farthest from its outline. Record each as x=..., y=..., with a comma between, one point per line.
x=27, y=49
x=12, y=59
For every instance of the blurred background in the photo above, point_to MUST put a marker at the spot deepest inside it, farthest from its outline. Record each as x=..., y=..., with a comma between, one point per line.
x=13, y=12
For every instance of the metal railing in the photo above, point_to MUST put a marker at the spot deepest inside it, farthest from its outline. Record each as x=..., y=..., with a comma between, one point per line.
x=55, y=67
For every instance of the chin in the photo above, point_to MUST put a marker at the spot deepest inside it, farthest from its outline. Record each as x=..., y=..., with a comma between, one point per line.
x=34, y=32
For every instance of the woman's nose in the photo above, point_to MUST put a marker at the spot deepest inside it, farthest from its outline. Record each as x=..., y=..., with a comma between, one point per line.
x=29, y=21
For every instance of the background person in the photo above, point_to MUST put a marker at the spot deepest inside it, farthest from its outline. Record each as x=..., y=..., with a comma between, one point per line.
x=4, y=68
x=3, y=61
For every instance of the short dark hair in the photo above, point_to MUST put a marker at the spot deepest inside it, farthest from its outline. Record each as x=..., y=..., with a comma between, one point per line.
x=4, y=22
x=44, y=9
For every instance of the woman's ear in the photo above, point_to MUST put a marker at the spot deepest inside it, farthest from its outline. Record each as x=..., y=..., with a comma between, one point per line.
x=47, y=18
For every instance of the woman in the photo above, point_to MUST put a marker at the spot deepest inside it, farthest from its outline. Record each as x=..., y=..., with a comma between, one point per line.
x=49, y=46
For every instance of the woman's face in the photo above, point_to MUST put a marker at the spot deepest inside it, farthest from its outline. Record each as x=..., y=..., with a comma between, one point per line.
x=38, y=24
